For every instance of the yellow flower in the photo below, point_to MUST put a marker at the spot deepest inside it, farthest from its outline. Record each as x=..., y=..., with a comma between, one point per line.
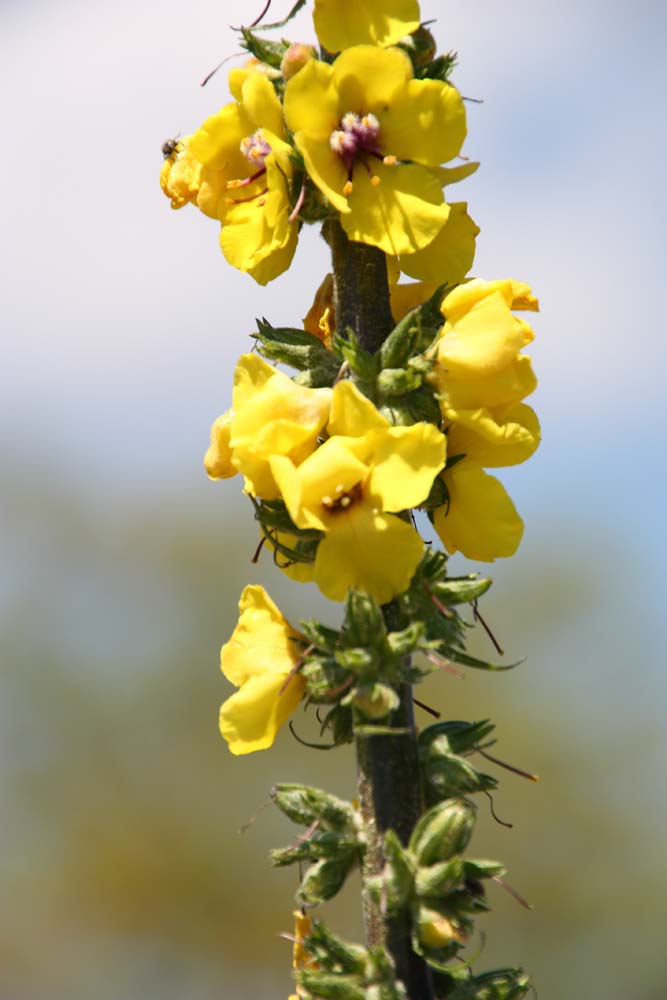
x=370, y=135
x=478, y=353
x=258, y=659
x=185, y=180
x=270, y=415
x=245, y=143
x=351, y=489
x=342, y=23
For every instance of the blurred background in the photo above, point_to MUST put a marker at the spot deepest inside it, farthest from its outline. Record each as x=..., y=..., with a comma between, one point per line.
x=122, y=874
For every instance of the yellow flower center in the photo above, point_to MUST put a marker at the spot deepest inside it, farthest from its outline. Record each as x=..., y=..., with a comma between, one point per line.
x=342, y=499
x=356, y=140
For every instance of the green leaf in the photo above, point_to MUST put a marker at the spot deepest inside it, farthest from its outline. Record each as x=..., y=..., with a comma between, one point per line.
x=280, y=24
x=270, y=53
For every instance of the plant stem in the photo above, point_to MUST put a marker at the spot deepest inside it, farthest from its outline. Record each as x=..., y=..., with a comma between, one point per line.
x=387, y=765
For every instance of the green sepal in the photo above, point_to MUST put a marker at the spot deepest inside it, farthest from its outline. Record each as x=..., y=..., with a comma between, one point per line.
x=498, y=984
x=439, y=68
x=320, y=635
x=324, y=679
x=446, y=775
x=394, y=887
x=324, y=879
x=331, y=986
x=300, y=350
x=397, y=382
x=478, y=868
x=364, y=366
x=439, y=879
x=466, y=660
x=461, y=590
x=443, y=831
x=406, y=641
x=414, y=332
x=303, y=804
x=363, y=624
x=339, y=721
x=267, y=52
x=462, y=737
x=332, y=953
x=316, y=846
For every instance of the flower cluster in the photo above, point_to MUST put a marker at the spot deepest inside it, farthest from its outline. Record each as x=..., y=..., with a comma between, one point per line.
x=345, y=457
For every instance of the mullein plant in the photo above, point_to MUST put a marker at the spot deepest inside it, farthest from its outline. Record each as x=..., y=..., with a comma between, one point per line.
x=401, y=395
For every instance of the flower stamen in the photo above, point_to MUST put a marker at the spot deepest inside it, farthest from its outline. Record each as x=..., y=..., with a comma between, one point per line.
x=343, y=499
x=355, y=141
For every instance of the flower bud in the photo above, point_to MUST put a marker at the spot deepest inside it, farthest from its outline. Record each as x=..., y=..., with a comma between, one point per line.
x=330, y=986
x=447, y=775
x=500, y=984
x=296, y=58
x=305, y=805
x=443, y=831
x=364, y=624
x=436, y=930
x=393, y=382
x=377, y=701
x=323, y=880
x=440, y=879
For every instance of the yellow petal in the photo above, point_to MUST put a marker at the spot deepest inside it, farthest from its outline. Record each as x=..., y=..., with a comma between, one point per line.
x=466, y=391
x=216, y=141
x=341, y=23
x=300, y=572
x=371, y=79
x=405, y=461
x=426, y=123
x=403, y=298
x=449, y=257
x=376, y=552
x=311, y=101
x=251, y=718
x=503, y=437
x=484, y=340
x=461, y=300
x=218, y=458
x=310, y=490
x=261, y=103
x=251, y=373
x=324, y=168
x=262, y=640
x=401, y=214
x=352, y=413
x=481, y=521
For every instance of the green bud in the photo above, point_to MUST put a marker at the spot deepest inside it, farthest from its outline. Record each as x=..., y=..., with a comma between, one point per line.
x=499, y=984
x=323, y=880
x=447, y=776
x=396, y=382
x=438, y=932
x=364, y=624
x=479, y=869
x=329, y=986
x=377, y=701
x=461, y=591
x=305, y=805
x=460, y=736
x=443, y=831
x=440, y=879
x=333, y=953
x=407, y=641
x=361, y=661
x=395, y=886
x=318, y=845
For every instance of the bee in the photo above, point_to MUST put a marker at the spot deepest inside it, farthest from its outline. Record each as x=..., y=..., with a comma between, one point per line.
x=169, y=147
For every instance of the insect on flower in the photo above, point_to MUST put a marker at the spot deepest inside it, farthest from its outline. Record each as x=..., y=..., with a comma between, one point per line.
x=169, y=147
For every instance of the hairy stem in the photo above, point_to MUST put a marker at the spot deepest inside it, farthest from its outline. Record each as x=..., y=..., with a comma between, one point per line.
x=387, y=765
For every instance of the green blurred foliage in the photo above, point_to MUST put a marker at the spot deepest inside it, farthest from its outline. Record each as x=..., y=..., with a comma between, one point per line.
x=123, y=873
